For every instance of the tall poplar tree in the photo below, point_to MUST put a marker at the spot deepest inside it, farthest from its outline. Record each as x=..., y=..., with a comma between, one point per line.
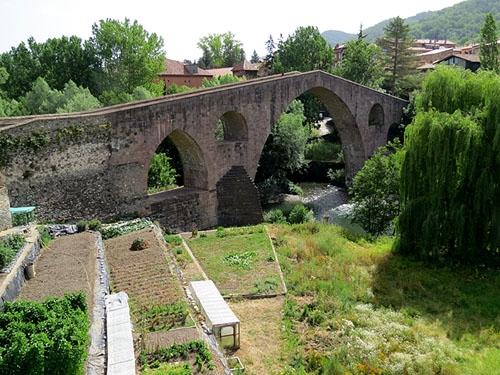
x=488, y=46
x=401, y=62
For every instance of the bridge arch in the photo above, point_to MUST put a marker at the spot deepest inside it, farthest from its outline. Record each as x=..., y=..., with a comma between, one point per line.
x=376, y=116
x=345, y=122
x=192, y=158
x=234, y=126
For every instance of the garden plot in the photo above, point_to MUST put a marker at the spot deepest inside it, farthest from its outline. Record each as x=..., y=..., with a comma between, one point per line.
x=155, y=295
x=261, y=329
x=239, y=261
x=66, y=265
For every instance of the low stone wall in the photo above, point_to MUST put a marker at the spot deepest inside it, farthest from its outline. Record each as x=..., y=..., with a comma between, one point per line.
x=12, y=284
x=5, y=218
x=181, y=209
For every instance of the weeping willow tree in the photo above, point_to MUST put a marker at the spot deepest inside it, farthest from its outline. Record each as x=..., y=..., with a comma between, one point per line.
x=450, y=177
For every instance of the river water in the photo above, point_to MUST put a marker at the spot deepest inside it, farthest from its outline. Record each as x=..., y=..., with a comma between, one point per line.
x=324, y=200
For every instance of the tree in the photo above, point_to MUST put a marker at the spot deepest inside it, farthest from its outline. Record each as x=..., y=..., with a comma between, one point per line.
x=42, y=99
x=361, y=62
x=376, y=190
x=304, y=51
x=129, y=56
x=255, y=57
x=488, y=49
x=23, y=70
x=450, y=190
x=220, y=50
x=63, y=60
x=401, y=62
x=161, y=174
x=285, y=148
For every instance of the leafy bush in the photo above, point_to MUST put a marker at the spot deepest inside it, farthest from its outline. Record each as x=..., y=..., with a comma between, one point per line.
x=9, y=248
x=161, y=174
x=139, y=244
x=321, y=150
x=48, y=338
x=243, y=260
x=173, y=240
x=376, y=190
x=112, y=232
x=22, y=218
x=82, y=225
x=301, y=214
x=337, y=176
x=95, y=224
x=275, y=216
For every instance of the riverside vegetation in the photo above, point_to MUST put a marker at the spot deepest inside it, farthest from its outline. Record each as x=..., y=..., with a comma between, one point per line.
x=356, y=307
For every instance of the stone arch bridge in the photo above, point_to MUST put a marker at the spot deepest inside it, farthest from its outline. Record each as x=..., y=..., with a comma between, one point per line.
x=94, y=164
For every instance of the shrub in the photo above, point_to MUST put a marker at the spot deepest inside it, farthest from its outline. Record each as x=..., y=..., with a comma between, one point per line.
x=275, y=216
x=322, y=150
x=9, y=248
x=22, y=218
x=48, y=338
x=337, y=176
x=301, y=214
x=82, y=225
x=173, y=240
x=95, y=224
x=139, y=244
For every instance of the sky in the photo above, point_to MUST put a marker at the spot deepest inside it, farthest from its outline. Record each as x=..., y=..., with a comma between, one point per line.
x=183, y=23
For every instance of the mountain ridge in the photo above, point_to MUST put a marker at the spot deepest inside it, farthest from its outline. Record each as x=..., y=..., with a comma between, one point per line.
x=460, y=23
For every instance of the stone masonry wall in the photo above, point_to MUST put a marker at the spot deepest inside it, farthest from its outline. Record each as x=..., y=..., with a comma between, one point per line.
x=5, y=218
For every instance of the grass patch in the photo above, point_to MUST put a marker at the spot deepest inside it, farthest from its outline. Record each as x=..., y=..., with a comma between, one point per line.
x=236, y=259
x=355, y=307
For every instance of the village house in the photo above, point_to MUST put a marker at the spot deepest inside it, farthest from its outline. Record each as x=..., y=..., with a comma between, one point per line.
x=182, y=74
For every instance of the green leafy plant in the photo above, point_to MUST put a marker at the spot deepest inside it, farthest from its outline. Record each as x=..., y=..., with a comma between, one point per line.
x=48, y=338
x=275, y=217
x=175, y=352
x=9, y=248
x=301, y=214
x=82, y=225
x=243, y=260
x=162, y=317
x=112, y=232
x=265, y=286
x=22, y=218
x=173, y=239
x=95, y=224
x=139, y=244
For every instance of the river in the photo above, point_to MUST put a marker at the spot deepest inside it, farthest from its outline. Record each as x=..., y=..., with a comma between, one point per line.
x=324, y=200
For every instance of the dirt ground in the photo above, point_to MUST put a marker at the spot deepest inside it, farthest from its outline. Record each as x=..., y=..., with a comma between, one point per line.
x=260, y=334
x=144, y=275
x=66, y=265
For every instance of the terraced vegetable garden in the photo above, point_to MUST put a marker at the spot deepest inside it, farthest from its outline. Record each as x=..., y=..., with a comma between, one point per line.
x=155, y=295
x=239, y=261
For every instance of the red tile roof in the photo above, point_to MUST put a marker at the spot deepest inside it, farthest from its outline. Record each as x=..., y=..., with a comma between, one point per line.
x=246, y=66
x=175, y=67
x=217, y=72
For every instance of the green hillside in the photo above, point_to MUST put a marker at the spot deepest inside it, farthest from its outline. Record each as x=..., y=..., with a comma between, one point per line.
x=460, y=23
x=337, y=37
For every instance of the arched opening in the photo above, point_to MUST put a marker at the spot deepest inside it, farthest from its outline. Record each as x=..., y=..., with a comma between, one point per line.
x=376, y=117
x=177, y=162
x=231, y=127
x=335, y=154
